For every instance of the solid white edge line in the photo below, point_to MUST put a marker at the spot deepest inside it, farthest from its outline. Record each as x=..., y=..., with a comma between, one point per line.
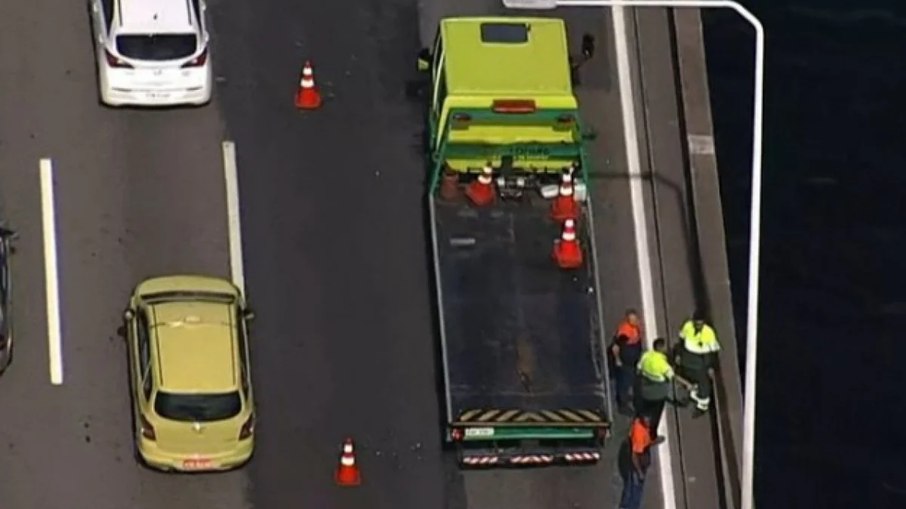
x=51, y=276
x=231, y=178
x=665, y=462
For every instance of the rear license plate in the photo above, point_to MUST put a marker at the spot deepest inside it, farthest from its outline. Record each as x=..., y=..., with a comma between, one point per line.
x=533, y=153
x=157, y=96
x=196, y=464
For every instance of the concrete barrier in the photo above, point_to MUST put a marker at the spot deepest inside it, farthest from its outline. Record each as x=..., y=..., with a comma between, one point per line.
x=703, y=178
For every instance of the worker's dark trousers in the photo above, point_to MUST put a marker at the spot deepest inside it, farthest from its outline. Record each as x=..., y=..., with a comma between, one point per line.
x=625, y=381
x=626, y=374
x=632, y=491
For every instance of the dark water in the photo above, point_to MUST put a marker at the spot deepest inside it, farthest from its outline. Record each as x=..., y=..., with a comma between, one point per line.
x=832, y=379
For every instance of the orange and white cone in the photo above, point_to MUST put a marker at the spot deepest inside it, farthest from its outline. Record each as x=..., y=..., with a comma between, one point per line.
x=567, y=251
x=565, y=206
x=449, y=187
x=348, y=472
x=481, y=190
x=308, y=97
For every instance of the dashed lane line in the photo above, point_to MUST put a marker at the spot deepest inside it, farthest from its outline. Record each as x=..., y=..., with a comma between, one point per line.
x=231, y=177
x=51, y=275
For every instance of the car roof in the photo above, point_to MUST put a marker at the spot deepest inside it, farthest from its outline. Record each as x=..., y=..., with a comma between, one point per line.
x=155, y=16
x=539, y=66
x=196, y=346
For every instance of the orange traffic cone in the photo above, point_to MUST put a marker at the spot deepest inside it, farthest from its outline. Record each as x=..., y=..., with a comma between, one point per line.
x=308, y=97
x=348, y=472
x=481, y=190
x=567, y=251
x=449, y=187
x=565, y=206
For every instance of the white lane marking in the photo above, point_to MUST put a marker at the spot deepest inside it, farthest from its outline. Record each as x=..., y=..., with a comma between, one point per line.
x=231, y=177
x=51, y=277
x=641, y=228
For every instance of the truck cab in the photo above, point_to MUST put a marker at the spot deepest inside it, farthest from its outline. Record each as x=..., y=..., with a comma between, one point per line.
x=503, y=82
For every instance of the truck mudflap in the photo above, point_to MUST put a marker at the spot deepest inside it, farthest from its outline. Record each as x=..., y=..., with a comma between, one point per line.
x=490, y=458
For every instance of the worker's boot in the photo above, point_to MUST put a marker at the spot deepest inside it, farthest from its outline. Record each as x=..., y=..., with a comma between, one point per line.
x=701, y=404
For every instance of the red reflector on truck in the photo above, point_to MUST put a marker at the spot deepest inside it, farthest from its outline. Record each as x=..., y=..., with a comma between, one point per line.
x=480, y=460
x=579, y=457
x=514, y=106
x=534, y=459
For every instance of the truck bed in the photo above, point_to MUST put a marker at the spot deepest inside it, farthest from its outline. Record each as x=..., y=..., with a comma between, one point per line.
x=520, y=335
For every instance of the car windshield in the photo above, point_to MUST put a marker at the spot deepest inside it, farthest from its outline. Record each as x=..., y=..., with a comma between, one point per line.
x=197, y=407
x=156, y=46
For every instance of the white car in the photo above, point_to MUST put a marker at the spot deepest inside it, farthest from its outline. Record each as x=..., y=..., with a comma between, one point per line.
x=151, y=52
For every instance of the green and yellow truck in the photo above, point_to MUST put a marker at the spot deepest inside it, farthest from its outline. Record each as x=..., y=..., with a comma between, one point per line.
x=526, y=380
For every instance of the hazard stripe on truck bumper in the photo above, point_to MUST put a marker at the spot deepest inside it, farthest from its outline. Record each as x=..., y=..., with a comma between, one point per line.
x=493, y=460
x=563, y=416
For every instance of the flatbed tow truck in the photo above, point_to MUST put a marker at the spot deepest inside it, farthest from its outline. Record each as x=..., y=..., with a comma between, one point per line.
x=524, y=371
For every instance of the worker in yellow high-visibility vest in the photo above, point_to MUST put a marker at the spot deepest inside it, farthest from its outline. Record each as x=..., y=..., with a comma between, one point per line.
x=655, y=377
x=698, y=350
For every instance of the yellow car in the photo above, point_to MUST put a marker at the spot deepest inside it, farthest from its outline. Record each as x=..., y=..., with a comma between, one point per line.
x=189, y=373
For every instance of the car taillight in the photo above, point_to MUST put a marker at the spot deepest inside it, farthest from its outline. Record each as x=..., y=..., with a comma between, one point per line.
x=115, y=61
x=247, y=428
x=147, y=429
x=199, y=60
x=456, y=434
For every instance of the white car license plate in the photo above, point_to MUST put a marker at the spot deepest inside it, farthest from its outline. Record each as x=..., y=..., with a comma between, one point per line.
x=157, y=96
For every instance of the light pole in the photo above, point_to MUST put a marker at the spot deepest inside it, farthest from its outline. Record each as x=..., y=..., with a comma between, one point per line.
x=748, y=436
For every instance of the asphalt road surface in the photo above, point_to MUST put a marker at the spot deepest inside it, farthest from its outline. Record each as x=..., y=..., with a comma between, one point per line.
x=336, y=259
x=138, y=193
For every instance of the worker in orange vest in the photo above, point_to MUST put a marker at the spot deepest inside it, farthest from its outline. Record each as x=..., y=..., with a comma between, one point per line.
x=639, y=448
x=627, y=350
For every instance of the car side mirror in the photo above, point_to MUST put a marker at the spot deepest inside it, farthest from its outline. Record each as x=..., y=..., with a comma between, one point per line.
x=248, y=314
x=128, y=315
x=588, y=46
x=424, y=60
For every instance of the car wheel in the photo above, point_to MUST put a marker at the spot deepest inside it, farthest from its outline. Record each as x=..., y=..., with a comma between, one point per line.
x=97, y=79
x=136, y=454
x=9, y=358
